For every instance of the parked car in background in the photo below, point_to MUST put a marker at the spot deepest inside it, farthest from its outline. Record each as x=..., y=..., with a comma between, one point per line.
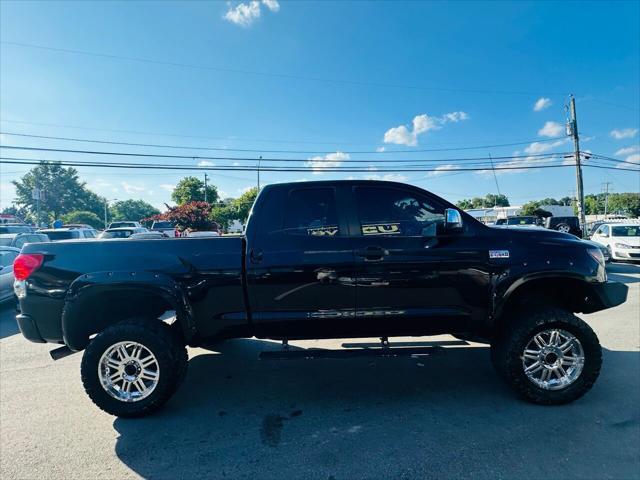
x=17, y=240
x=202, y=234
x=622, y=240
x=121, y=232
x=148, y=235
x=564, y=224
x=7, y=256
x=518, y=221
x=124, y=223
x=15, y=228
x=68, y=233
x=166, y=227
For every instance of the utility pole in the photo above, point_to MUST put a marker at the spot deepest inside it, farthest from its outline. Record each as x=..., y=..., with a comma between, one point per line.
x=106, y=204
x=205, y=186
x=606, y=197
x=259, y=161
x=573, y=127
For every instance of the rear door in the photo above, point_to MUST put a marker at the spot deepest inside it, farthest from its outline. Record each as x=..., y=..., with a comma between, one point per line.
x=300, y=265
x=411, y=278
x=6, y=273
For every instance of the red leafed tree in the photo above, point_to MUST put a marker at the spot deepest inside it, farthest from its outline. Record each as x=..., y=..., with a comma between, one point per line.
x=193, y=215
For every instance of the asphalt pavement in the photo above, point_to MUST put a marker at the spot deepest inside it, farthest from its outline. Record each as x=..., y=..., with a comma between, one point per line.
x=445, y=415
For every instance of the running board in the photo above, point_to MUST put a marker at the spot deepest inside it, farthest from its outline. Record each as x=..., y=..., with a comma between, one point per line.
x=312, y=353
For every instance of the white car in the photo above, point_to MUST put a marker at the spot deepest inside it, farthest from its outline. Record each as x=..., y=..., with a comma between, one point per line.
x=7, y=256
x=621, y=239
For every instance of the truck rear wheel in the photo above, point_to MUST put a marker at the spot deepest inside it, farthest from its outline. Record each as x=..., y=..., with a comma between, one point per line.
x=549, y=356
x=133, y=367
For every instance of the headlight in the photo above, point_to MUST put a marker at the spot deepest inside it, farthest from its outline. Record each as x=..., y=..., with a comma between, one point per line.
x=597, y=255
x=622, y=245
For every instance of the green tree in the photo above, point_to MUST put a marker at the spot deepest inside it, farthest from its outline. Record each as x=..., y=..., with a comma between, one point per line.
x=627, y=203
x=496, y=200
x=489, y=200
x=134, y=210
x=191, y=189
x=235, y=209
x=63, y=191
x=81, y=216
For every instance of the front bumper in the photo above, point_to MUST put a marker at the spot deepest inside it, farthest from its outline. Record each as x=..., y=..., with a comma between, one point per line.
x=626, y=254
x=28, y=328
x=606, y=295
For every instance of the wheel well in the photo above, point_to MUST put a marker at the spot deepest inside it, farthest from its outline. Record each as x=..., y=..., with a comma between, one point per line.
x=105, y=308
x=566, y=293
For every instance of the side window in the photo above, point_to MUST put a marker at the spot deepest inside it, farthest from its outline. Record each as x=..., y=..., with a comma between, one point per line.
x=312, y=212
x=20, y=241
x=89, y=234
x=605, y=230
x=389, y=211
x=7, y=258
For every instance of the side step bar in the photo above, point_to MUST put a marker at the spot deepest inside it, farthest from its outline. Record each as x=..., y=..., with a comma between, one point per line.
x=351, y=353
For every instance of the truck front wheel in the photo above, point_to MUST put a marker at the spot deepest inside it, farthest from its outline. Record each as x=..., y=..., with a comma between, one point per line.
x=549, y=356
x=133, y=367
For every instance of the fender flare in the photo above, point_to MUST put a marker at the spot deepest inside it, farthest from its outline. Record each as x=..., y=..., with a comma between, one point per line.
x=85, y=289
x=502, y=299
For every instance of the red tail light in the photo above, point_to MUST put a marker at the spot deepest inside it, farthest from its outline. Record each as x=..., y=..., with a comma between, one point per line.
x=25, y=264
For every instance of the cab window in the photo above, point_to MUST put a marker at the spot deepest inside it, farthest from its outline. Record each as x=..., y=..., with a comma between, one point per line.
x=311, y=212
x=389, y=211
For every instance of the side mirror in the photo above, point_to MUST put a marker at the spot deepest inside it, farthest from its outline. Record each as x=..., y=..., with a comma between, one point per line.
x=452, y=220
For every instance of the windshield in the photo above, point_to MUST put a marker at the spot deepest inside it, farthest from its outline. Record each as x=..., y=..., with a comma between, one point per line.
x=121, y=224
x=162, y=225
x=626, y=231
x=15, y=229
x=521, y=221
x=62, y=235
x=116, y=234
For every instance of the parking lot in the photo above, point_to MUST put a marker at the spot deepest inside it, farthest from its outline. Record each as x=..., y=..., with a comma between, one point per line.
x=445, y=415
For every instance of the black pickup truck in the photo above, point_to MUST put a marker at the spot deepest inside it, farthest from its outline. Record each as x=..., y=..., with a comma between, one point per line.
x=328, y=259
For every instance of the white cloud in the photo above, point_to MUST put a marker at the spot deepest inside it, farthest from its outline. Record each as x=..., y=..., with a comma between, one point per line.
x=440, y=169
x=541, y=104
x=131, y=188
x=402, y=135
x=624, y=133
x=389, y=177
x=541, y=147
x=627, y=150
x=272, y=5
x=635, y=158
x=167, y=186
x=331, y=160
x=551, y=129
x=205, y=163
x=244, y=14
x=380, y=149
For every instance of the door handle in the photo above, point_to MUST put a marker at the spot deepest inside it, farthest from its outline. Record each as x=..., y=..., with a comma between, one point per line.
x=372, y=254
x=256, y=257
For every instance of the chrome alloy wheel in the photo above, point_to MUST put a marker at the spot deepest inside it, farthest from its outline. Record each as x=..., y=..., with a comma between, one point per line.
x=128, y=371
x=553, y=359
x=564, y=228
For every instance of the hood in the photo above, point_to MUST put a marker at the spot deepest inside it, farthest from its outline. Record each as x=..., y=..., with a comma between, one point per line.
x=633, y=241
x=538, y=234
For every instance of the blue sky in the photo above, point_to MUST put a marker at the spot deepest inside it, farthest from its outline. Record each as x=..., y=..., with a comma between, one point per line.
x=409, y=76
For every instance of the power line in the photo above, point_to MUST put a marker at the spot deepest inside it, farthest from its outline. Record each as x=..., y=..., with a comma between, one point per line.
x=270, y=168
x=268, y=74
x=227, y=149
x=250, y=159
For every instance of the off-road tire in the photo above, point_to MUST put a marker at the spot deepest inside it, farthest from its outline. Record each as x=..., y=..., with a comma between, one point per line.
x=508, y=347
x=157, y=337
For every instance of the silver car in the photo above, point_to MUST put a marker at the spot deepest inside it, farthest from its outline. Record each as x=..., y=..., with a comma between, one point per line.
x=7, y=256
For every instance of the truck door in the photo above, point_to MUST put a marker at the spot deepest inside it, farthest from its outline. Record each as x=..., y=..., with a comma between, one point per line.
x=300, y=265
x=411, y=278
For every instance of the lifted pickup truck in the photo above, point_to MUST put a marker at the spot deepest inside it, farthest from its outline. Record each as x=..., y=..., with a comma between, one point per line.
x=328, y=259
